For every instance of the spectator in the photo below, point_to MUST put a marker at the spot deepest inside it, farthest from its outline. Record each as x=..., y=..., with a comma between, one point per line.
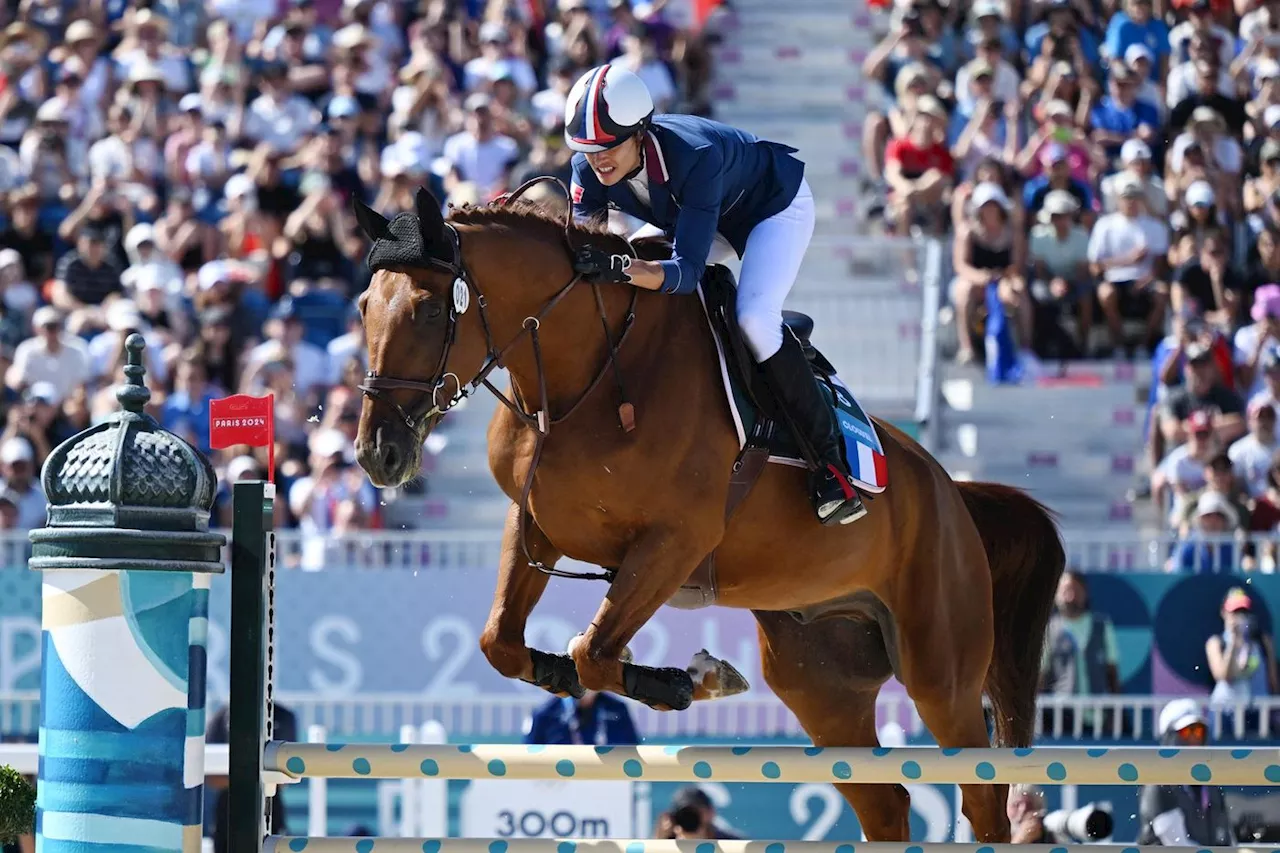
x=1081, y=655
x=482, y=156
x=1255, y=342
x=86, y=276
x=21, y=483
x=989, y=250
x=1026, y=811
x=1122, y=115
x=1219, y=478
x=1135, y=161
x=1061, y=284
x=1171, y=815
x=693, y=815
x=51, y=356
x=1242, y=659
x=23, y=233
x=1126, y=251
x=1207, y=287
x=919, y=169
x=185, y=411
x=1251, y=456
x=1182, y=473
x=597, y=718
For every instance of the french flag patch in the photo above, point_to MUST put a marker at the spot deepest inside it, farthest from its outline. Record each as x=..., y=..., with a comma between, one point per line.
x=575, y=192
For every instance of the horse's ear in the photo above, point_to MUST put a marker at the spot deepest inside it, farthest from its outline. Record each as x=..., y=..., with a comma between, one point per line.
x=430, y=219
x=374, y=225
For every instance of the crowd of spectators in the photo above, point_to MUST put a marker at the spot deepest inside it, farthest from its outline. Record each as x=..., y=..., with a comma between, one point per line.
x=186, y=169
x=1110, y=170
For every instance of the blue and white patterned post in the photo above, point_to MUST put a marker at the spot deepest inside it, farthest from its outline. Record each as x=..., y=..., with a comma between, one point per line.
x=127, y=558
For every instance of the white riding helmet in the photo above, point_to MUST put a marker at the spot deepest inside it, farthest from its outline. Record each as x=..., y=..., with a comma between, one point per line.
x=607, y=106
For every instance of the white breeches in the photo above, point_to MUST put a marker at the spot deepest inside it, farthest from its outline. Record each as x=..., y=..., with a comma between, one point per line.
x=770, y=263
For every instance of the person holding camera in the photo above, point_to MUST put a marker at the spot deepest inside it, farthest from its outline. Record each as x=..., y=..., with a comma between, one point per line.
x=1178, y=815
x=692, y=815
x=1242, y=659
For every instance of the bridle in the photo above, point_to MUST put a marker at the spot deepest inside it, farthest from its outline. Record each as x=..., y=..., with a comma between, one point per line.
x=375, y=387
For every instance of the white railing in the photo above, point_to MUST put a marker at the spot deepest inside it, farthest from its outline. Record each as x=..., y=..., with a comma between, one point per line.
x=457, y=550
x=484, y=717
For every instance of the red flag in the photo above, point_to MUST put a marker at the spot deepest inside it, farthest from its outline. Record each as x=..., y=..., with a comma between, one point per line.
x=241, y=419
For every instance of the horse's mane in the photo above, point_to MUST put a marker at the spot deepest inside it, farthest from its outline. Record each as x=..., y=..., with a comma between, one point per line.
x=526, y=216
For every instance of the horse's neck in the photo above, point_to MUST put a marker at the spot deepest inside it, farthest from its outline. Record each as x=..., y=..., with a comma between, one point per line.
x=575, y=351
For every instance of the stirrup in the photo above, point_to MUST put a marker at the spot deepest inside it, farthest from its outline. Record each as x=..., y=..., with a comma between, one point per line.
x=845, y=508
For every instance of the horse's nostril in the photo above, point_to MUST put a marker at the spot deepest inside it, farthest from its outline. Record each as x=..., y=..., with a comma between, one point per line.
x=390, y=457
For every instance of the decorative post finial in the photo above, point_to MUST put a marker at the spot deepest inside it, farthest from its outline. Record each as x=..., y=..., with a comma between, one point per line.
x=134, y=394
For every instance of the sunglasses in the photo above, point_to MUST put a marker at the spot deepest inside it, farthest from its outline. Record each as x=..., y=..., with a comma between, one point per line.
x=1196, y=733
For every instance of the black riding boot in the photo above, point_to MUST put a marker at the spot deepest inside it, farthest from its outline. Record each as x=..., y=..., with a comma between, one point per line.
x=791, y=379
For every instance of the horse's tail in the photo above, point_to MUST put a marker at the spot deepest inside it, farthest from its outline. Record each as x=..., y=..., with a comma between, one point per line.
x=1025, y=551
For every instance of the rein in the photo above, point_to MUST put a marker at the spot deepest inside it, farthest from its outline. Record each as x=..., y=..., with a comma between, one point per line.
x=540, y=420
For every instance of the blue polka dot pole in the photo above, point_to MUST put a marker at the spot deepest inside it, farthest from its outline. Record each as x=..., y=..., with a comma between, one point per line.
x=564, y=845
x=788, y=764
x=127, y=558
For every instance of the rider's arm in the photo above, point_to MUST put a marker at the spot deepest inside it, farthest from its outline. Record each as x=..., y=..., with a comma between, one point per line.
x=695, y=229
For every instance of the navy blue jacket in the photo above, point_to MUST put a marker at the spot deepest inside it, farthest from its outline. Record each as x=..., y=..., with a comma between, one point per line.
x=704, y=177
x=607, y=723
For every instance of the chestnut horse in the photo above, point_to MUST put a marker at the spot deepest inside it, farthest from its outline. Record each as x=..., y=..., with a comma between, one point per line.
x=946, y=585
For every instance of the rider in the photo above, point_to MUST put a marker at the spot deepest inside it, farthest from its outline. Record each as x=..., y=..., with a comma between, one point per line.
x=711, y=186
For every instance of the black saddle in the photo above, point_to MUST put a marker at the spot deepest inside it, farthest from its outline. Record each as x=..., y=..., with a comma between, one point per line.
x=801, y=325
x=721, y=293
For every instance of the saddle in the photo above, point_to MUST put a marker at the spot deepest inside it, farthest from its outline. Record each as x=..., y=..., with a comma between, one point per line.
x=753, y=404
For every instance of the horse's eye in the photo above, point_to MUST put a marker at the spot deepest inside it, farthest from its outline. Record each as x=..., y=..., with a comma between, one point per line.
x=434, y=310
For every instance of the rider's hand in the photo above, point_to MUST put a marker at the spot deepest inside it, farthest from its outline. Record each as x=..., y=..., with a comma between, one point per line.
x=601, y=266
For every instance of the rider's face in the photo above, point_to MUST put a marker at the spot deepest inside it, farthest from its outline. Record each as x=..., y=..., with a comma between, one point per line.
x=615, y=164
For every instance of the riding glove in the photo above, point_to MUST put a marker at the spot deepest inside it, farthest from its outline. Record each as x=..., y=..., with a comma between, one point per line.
x=601, y=266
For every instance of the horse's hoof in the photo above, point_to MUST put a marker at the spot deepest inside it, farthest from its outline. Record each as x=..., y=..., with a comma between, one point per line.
x=714, y=678
x=625, y=657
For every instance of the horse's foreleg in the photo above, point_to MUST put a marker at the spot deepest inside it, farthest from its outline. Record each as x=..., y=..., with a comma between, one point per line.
x=518, y=591
x=658, y=562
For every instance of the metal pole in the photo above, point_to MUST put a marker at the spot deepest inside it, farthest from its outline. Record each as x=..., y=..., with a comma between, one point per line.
x=252, y=574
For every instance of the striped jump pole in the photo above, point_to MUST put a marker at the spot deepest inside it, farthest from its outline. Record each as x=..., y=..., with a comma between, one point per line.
x=642, y=845
x=785, y=764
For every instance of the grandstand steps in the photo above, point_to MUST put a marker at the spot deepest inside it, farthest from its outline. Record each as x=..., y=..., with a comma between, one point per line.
x=1073, y=440
x=761, y=94
x=800, y=58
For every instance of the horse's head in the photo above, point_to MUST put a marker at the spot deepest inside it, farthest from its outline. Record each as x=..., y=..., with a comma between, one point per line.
x=413, y=312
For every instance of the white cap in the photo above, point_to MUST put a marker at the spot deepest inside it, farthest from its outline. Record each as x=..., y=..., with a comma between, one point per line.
x=240, y=466
x=212, y=273
x=329, y=442
x=16, y=450
x=1060, y=201
x=46, y=315
x=52, y=110
x=9, y=257
x=1204, y=114
x=1266, y=69
x=148, y=276
x=987, y=192
x=191, y=103
x=123, y=315
x=350, y=36
x=1208, y=504
x=1181, y=713
x=1057, y=107
x=45, y=391
x=239, y=186
x=1200, y=193
x=983, y=8
x=1136, y=52
x=1271, y=115
x=1134, y=149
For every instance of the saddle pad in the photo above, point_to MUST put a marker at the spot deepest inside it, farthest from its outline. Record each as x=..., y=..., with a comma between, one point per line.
x=863, y=450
